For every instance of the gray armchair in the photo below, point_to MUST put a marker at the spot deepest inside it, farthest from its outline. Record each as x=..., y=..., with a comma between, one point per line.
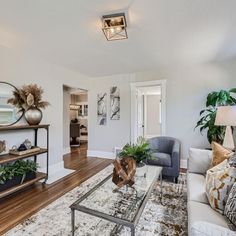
x=166, y=153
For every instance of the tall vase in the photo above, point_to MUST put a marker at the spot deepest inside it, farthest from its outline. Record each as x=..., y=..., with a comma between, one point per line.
x=33, y=116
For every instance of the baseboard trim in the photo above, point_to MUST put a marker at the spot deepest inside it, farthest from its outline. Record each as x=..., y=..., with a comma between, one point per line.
x=53, y=168
x=66, y=150
x=56, y=172
x=100, y=154
x=183, y=163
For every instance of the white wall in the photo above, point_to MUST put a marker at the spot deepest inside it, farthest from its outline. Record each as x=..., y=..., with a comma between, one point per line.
x=19, y=69
x=187, y=88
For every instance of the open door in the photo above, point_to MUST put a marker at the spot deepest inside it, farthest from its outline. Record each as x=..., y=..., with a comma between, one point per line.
x=140, y=111
x=147, y=110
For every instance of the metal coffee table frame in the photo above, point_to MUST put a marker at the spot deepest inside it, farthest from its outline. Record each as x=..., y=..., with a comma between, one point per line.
x=130, y=224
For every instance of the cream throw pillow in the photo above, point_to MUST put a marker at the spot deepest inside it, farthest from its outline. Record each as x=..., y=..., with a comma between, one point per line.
x=219, y=181
x=219, y=153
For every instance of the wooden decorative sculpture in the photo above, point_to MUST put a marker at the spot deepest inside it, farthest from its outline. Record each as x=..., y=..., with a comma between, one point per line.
x=124, y=171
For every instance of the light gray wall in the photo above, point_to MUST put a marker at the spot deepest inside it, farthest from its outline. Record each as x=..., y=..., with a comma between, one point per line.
x=187, y=88
x=83, y=97
x=231, y=68
x=117, y=132
x=66, y=117
x=18, y=69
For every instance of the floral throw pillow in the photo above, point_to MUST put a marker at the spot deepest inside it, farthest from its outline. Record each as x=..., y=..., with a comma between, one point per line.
x=230, y=208
x=219, y=181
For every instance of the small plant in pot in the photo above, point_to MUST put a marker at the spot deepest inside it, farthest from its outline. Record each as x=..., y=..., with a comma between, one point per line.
x=29, y=99
x=139, y=151
x=16, y=173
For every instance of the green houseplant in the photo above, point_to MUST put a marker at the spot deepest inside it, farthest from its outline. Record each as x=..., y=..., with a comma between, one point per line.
x=208, y=115
x=139, y=151
x=16, y=173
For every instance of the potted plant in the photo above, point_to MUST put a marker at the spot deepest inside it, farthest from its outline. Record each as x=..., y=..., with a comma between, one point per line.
x=208, y=115
x=139, y=151
x=16, y=173
x=29, y=99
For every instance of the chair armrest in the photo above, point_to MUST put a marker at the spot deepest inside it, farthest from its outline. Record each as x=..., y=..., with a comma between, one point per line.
x=175, y=158
x=176, y=147
x=199, y=160
x=202, y=228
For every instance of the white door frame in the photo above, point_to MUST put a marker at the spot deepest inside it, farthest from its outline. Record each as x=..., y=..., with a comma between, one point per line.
x=134, y=86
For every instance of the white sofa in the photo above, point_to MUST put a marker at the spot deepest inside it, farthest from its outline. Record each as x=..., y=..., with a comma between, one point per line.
x=202, y=219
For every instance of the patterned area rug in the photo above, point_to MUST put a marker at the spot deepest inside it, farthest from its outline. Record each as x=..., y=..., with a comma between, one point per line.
x=156, y=219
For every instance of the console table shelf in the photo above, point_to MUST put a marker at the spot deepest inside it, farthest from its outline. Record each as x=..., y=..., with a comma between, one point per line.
x=7, y=158
x=39, y=176
x=22, y=127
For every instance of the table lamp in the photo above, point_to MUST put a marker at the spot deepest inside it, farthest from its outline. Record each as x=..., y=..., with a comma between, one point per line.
x=226, y=116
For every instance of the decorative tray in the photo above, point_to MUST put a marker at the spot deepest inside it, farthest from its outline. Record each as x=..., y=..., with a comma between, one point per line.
x=28, y=151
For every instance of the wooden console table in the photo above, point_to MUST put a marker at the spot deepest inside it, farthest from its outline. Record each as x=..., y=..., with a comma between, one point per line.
x=10, y=158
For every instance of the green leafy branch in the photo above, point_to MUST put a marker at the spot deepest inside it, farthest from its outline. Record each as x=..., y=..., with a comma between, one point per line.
x=208, y=115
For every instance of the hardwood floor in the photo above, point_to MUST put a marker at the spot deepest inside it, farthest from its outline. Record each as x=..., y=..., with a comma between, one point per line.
x=21, y=205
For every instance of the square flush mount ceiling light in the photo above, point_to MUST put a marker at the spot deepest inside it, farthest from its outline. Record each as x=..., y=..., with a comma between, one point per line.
x=114, y=26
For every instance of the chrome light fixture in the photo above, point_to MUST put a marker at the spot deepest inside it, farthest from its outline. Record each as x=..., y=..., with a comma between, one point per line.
x=114, y=26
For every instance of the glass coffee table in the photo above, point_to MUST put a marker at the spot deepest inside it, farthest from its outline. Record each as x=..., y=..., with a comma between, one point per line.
x=122, y=206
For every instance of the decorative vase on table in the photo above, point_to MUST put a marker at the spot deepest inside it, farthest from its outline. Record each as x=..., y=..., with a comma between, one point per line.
x=33, y=116
x=29, y=99
x=141, y=169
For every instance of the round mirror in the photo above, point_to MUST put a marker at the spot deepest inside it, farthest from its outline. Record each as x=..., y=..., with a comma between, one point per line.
x=9, y=114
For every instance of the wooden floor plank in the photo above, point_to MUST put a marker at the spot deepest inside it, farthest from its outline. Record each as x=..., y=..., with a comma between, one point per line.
x=19, y=206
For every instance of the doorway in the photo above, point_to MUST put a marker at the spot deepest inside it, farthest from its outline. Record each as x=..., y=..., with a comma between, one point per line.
x=75, y=124
x=147, y=109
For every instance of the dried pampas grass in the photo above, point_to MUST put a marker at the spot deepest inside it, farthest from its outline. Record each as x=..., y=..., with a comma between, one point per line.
x=28, y=96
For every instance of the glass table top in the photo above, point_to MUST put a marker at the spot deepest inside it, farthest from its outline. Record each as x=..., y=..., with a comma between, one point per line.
x=123, y=203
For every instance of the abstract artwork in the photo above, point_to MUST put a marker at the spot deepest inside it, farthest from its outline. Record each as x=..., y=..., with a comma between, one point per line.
x=114, y=103
x=102, y=108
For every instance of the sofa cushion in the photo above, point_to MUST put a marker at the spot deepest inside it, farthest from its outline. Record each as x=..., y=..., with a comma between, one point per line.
x=199, y=160
x=196, y=188
x=160, y=159
x=201, y=228
x=203, y=212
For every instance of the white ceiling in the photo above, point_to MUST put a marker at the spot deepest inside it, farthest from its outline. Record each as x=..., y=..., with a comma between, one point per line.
x=161, y=33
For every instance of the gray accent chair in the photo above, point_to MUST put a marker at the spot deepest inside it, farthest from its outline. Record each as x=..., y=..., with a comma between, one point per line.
x=166, y=153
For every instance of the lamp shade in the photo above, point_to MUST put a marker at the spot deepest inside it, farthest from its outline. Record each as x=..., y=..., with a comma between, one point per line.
x=226, y=116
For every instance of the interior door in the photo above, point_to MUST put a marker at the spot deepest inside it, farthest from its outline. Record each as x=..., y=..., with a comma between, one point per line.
x=152, y=116
x=140, y=115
